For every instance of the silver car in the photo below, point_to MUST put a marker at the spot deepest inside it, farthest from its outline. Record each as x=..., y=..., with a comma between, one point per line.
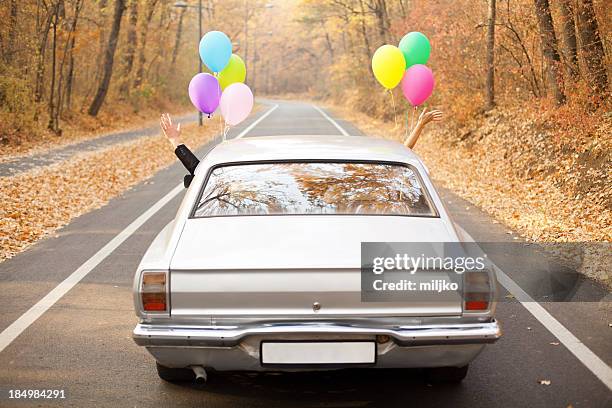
x=261, y=268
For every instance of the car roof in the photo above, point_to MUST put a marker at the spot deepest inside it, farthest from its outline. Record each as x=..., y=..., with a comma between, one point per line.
x=310, y=147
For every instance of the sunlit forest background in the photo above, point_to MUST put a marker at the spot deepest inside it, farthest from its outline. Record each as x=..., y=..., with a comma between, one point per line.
x=67, y=59
x=524, y=85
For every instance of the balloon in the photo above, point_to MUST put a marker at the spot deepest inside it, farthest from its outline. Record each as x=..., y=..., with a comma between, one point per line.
x=388, y=65
x=236, y=103
x=205, y=92
x=417, y=84
x=416, y=49
x=235, y=71
x=215, y=50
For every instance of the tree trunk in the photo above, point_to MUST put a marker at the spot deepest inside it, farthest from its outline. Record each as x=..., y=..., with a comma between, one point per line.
x=568, y=32
x=591, y=46
x=12, y=34
x=364, y=34
x=144, y=30
x=130, y=48
x=109, y=56
x=380, y=11
x=40, y=65
x=490, y=103
x=550, y=50
x=53, y=126
x=177, y=39
x=67, y=54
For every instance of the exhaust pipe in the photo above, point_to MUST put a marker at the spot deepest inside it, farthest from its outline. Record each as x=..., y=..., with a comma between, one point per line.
x=200, y=374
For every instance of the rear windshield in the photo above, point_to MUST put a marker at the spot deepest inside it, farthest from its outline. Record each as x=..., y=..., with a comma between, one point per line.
x=313, y=188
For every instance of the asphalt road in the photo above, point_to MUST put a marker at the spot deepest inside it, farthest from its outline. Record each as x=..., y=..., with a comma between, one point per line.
x=82, y=343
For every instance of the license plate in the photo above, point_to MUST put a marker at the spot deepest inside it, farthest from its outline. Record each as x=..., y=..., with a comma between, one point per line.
x=337, y=352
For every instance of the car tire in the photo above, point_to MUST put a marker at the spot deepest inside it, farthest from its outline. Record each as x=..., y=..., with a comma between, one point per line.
x=175, y=375
x=447, y=374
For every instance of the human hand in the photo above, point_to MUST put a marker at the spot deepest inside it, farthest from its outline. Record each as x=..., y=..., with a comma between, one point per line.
x=172, y=132
x=430, y=116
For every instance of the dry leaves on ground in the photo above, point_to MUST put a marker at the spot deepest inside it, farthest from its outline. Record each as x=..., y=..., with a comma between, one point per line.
x=38, y=202
x=507, y=168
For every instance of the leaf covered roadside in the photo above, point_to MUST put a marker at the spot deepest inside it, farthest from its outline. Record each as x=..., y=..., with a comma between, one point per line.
x=36, y=203
x=547, y=183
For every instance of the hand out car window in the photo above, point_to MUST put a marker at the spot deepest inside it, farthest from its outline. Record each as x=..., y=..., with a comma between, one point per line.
x=313, y=188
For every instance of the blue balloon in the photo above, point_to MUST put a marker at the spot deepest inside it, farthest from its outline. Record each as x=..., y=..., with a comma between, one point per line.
x=215, y=50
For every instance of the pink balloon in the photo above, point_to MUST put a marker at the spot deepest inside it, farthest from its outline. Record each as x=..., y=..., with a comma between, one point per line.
x=236, y=103
x=417, y=84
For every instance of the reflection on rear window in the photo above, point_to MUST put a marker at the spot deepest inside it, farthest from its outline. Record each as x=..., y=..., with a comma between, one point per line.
x=313, y=188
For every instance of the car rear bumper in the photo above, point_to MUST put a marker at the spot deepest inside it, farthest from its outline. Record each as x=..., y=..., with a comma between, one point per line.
x=226, y=336
x=238, y=348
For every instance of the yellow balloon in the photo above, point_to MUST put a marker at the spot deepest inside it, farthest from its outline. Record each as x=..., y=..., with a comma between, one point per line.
x=234, y=71
x=388, y=65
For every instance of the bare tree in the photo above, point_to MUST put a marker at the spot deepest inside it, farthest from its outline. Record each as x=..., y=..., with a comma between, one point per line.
x=550, y=50
x=12, y=34
x=109, y=56
x=144, y=31
x=130, y=48
x=177, y=39
x=568, y=32
x=41, y=51
x=591, y=46
x=491, y=56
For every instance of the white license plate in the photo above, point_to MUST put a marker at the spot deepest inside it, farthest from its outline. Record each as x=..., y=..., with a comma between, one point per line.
x=340, y=352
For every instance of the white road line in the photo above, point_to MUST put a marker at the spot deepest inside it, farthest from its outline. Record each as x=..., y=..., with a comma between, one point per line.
x=333, y=122
x=595, y=364
x=24, y=321
x=252, y=125
x=592, y=362
x=13, y=331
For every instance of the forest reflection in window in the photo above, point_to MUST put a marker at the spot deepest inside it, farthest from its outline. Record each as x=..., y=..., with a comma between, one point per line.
x=313, y=188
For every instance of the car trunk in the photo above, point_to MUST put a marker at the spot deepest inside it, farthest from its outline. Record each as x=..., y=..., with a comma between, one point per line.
x=283, y=265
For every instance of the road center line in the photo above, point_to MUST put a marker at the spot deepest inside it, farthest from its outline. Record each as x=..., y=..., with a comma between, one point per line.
x=13, y=331
x=333, y=122
x=252, y=125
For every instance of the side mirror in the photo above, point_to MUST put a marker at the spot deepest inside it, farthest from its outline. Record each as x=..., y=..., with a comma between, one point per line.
x=187, y=180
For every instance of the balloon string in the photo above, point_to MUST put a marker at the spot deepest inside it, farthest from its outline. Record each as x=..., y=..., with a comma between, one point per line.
x=394, y=111
x=225, y=132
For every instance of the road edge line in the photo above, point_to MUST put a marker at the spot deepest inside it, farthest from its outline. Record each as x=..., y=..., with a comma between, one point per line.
x=14, y=330
x=584, y=354
x=332, y=121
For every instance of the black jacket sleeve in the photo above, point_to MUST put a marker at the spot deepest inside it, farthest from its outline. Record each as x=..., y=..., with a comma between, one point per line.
x=189, y=160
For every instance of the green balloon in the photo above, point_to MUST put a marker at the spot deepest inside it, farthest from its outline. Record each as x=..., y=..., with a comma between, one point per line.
x=415, y=47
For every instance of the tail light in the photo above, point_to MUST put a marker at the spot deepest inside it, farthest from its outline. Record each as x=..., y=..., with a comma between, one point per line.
x=153, y=292
x=477, y=291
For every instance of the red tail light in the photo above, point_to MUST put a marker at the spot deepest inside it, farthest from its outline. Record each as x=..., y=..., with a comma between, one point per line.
x=153, y=292
x=477, y=291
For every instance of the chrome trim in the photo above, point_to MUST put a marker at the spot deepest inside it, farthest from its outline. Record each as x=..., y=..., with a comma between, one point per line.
x=158, y=335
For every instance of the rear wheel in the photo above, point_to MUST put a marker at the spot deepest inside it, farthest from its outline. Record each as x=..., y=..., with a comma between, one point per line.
x=447, y=374
x=175, y=375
